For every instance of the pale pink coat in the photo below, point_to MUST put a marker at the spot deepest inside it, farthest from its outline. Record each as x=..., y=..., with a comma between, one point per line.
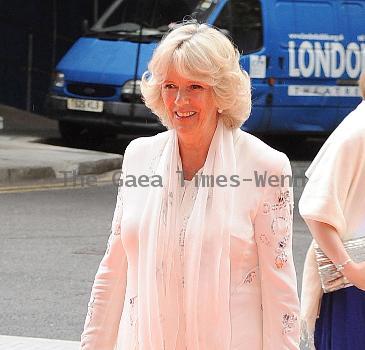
x=263, y=300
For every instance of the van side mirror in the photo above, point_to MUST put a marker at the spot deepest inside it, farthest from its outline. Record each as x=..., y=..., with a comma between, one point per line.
x=85, y=26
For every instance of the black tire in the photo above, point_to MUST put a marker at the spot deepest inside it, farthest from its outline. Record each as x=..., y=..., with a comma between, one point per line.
x=76, y=134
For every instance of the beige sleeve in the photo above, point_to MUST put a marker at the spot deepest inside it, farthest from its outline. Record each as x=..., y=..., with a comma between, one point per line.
x=326, y=192
x=273, y=234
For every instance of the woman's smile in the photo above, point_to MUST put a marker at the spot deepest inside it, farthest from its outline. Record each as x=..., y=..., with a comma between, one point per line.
x=182, y=115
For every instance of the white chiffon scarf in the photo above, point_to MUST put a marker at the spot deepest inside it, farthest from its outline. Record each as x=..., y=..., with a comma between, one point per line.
x=206, y=254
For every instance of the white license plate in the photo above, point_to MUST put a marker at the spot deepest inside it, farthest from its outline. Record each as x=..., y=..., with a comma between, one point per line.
x=85, y=105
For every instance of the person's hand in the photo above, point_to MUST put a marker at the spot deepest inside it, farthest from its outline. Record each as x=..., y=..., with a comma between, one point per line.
x=355, y=273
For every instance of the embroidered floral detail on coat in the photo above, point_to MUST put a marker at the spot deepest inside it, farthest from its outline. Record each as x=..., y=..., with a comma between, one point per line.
x=281, y=260
x=183, y=231
x=283, y=200
x=265, y=240
x=266, y=208
x=284, y=242
x=288, y=323
x=132, y=311
x=280, y=226
x=282, y=257
x=250, y=277
x=171, y=198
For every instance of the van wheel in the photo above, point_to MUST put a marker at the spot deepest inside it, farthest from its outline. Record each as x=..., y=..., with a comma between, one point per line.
x=76, y=134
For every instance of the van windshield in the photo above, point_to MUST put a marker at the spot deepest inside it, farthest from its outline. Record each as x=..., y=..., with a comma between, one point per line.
x=243, y=21
x=153, y=16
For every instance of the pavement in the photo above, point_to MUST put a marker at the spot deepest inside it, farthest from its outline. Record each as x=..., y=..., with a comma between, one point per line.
x=24, y=158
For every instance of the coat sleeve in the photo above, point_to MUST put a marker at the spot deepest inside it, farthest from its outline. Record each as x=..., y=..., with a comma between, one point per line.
x=332, y=176
x=107, y=296
x=273, y=234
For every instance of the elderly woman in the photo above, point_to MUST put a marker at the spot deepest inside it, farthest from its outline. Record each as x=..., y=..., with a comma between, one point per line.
x=200, y=256
x=333, y=206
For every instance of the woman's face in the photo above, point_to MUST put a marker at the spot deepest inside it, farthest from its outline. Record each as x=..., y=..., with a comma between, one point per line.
x=190, y=105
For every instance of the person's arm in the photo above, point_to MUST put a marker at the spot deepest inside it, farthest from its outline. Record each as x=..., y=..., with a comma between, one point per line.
x=273, y=234
x=107, y=296
x=328, y=239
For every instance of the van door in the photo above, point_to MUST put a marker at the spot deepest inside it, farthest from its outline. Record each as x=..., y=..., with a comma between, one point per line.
x=243, y=21
x=301, y=65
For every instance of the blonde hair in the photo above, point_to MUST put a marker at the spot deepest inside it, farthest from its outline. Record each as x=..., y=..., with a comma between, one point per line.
x=362, y=84
x=202, y=53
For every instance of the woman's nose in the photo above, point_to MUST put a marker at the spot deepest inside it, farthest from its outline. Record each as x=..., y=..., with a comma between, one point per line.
x=181, y=97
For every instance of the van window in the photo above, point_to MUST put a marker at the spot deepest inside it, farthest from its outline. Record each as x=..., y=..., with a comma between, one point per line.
x=243, y=20
x=203, y=10
x=128, y=15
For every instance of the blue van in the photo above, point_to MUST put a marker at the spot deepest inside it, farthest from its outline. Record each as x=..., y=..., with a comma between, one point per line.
x=304, y=58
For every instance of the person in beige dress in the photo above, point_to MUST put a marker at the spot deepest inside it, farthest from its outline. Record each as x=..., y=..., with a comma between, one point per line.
x=333, y=206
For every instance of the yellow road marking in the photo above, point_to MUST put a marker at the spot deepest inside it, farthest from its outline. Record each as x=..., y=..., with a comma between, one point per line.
x=49, y=187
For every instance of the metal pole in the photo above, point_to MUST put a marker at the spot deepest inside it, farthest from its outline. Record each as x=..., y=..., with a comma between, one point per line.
x=29, y=72
x=54, y=34
x=134, y=101
x=96, y=10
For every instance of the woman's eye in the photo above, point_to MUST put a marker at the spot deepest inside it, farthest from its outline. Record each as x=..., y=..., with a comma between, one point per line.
x=196, y=87
x=169, y=86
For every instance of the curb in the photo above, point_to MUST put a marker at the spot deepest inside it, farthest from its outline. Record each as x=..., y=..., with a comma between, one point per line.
x=100, y=166
x=26, y=173
x=27, y=343
x=23, y=159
